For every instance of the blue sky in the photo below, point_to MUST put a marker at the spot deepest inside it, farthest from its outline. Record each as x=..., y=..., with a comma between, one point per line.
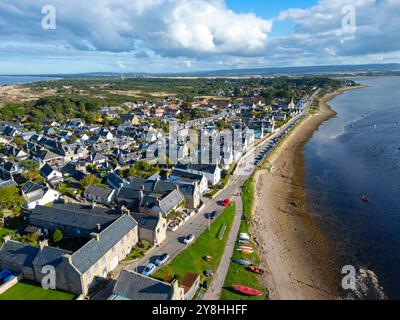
x=192, y=35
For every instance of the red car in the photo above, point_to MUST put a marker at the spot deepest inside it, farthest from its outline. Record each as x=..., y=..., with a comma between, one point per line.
x=226, y=202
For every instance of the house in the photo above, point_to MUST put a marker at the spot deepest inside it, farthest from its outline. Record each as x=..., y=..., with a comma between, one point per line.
x=190, y=284
x=16, y=153
x=150, y=197
x=98, y=159
x=151, y=228
x=50, y=174
x=116, y=182
x=105, y=135
x=74, y=221
x=37, y=194
x=134, y=286
x=7, y=183
x=48, y=157
x=77, y=272
x=211, y=171
x=100, y=194
x=10, y=168
x=183, y=178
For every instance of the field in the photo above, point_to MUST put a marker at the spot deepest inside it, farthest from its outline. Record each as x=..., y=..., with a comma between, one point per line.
x=31, y=291
x=238, y=274
x=191, y=260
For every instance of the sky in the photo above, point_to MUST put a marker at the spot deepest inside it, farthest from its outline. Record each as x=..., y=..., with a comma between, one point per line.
x=156, y=36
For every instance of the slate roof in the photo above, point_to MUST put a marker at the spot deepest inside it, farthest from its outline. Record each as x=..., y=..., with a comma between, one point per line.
x=48, y=155
x=99, y=191
x=94, y=250
x=115, y=180
x=50, y=256
x=46, y=170
x=18, y=253
x=134, y=286
x=209, y=168
x=71, y=216
x=7, y=183
x=145, y=221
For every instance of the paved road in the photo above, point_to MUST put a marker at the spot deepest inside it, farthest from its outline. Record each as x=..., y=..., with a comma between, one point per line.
x=197, y=224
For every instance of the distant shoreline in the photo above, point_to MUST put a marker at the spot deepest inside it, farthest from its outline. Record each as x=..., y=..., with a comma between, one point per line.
x=292, y=248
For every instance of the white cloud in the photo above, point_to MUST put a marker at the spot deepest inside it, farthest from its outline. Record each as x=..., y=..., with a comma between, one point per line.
x=167, y=27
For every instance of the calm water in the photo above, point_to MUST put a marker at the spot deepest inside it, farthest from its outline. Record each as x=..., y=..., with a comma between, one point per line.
x=22, y=79
x=356, y=153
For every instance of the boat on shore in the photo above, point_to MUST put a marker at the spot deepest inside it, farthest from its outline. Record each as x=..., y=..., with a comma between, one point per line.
x=255, y=269
x=243, y=262
x=246, y=290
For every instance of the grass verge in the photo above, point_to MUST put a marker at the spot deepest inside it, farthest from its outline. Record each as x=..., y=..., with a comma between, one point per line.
x=239, y=274
x=207, y=244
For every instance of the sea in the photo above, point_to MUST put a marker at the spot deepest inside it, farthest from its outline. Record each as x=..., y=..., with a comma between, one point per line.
x=353, y=154
x=22, y=79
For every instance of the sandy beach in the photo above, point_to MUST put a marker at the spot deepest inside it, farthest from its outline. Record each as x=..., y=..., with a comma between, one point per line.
x=292, y=249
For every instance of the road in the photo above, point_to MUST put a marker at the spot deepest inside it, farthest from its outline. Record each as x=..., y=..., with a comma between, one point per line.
x=173, y=244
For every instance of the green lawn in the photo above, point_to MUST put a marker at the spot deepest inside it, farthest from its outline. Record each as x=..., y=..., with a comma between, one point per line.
x=207, y=244
x=32, y=291
x=4, y=232
x=238, y=274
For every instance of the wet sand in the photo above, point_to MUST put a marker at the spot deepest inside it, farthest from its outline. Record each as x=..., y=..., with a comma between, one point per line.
x=292, y=248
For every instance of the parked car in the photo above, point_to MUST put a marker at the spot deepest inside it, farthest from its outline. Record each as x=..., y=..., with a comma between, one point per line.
x=188, y=239
x=226, y=202
x=162, y=259
x=212, y=215
x=149, y=269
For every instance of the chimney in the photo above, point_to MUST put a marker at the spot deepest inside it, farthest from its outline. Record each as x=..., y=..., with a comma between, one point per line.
x=98, y=226
x=95, y=235
x=43, y=243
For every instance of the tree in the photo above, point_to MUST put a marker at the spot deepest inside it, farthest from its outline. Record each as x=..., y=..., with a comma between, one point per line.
x=11, y=199
x=88, y=180
x=57, y=235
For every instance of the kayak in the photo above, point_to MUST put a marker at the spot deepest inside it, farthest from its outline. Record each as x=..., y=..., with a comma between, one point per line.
x=255, y=269
x=246, y=251
x=245, y=241
x=242, y=262
x=246, y=245
x=246, y=248
x=247, y=290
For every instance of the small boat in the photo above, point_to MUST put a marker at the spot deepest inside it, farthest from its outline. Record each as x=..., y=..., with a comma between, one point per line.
x=246, y=290
x=245, y=241
x=243, y=262
x=365, y=198
x=246, y=251
x=255, y=269
x=246, y=245
x=244, y=236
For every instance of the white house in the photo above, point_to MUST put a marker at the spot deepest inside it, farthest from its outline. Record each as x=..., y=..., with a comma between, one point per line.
x=100, y=194
x=211, y=171
x=50, y=174
x=37, y=194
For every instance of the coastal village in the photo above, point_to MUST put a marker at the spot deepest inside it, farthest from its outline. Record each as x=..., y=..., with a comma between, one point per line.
x=91, y=198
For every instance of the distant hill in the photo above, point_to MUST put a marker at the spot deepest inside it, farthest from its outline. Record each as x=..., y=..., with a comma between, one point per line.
x=307, y=70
